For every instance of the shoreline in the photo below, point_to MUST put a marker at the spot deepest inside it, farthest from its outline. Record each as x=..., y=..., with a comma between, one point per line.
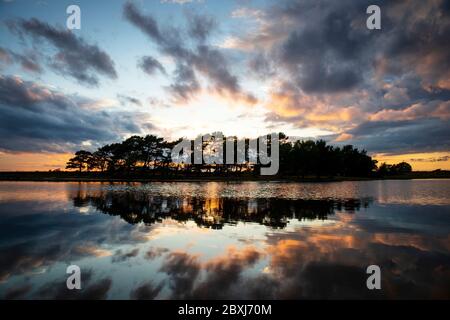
x=97, y=177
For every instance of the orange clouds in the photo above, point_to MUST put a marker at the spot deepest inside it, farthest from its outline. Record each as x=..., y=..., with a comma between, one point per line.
x=244, y=257
x=330, y=112
x=92, y=251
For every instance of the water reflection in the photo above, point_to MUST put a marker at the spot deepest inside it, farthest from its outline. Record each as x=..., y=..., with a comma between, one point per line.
x=191, y=241
x=141, y=207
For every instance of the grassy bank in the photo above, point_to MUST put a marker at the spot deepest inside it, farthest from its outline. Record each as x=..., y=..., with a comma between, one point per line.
x=146, y=177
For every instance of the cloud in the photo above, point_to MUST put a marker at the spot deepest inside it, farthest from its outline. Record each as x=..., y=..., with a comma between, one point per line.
x=18, y=259
x=74, y=57
x=262, y=66
x=200, y=58
x=57, y=290
x=200, y=26
x=431, y=109
x=186, y=85
x=437, y=159
x=155, y=252
x=28, y=62
x=183, y=270
x=146, y=24
x=91, y=250
x=120, y=256
x=17, y=292
x=324, y=69
x=225, y=271
x=146, y=291
x=402, y=136
x=124, y=99
x=34, y=117
x=180, y=1
x=150, y=65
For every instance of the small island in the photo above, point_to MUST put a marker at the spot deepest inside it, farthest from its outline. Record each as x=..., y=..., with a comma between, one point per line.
x=149, y=158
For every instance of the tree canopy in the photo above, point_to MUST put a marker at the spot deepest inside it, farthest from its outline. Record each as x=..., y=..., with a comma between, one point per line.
x=152, y=154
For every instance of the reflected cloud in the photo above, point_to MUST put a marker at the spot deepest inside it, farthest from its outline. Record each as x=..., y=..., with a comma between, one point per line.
x=146, y=291
x=120, y=256
x=92, y=251
x=158, y=242
x=57, y=290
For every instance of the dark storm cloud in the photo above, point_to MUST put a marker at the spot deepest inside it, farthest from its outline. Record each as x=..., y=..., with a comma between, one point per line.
x=200, y=57
x=36, y=118
x=74, y=56
x=150, y=65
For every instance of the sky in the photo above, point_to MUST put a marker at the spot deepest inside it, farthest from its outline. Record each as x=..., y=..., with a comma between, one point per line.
x=179, y=68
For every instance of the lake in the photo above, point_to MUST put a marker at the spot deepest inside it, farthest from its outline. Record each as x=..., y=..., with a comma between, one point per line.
x=218, y=240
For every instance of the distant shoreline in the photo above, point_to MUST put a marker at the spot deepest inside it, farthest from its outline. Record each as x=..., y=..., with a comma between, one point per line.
x=101, y=177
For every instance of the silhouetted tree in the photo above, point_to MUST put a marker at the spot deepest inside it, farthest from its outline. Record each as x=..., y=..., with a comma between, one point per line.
x=299, y=158
x=80, y=161
x=395, y=169
x=402, y=168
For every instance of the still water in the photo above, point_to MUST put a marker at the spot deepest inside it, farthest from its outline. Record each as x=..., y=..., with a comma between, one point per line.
x=247, y=240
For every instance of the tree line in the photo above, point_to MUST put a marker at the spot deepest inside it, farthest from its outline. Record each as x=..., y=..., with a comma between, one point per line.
x=152, y=154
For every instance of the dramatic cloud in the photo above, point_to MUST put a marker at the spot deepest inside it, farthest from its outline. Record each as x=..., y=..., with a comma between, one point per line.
x=199, y=58
x=36, y=118
x=402, y=136
x=310, y=66
x=74, y=57
x=328, y=71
